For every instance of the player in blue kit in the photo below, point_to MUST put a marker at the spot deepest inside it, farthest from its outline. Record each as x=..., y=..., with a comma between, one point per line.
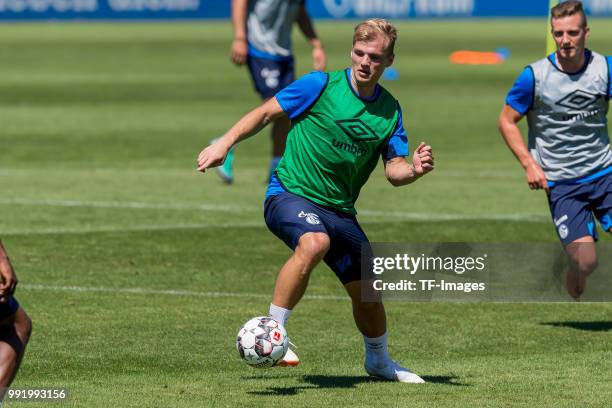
x=15, y=325
x=565, y=97
x=342, y=124
x=262, y=40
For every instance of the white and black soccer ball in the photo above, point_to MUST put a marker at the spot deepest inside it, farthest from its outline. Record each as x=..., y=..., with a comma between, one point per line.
x=262, y=342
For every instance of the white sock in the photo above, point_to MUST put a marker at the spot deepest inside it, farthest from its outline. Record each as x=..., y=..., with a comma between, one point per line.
x=280, y=314
x=376, y=349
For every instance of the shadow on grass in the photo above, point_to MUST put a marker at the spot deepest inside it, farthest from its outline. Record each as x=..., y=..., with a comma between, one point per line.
x=588, y=326
x=444, y=379
x=317, y=382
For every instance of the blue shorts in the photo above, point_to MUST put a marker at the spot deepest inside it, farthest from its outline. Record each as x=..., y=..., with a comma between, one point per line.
x=270, y=76
x=9, y=308
x=574, y=206
x=290, y=216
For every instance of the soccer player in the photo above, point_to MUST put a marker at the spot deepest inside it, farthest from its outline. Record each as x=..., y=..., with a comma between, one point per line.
x=565, y=97
x=15, y=325
x=342, y=123
x=262, y=40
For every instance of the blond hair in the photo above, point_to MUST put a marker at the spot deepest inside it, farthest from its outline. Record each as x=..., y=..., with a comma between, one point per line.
x=568, y=8
x=369, y=29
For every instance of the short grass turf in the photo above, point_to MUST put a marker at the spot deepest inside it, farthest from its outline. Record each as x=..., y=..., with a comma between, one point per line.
x=138, y=272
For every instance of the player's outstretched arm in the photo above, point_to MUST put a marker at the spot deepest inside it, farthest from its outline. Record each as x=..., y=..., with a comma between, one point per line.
x=251, y=123
x=508, y=118
x=8, y=279
x=239, y=44
x=399, y=172
x=319, y=59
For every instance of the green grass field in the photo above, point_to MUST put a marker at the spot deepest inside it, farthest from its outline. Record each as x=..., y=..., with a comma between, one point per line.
x=138, y=272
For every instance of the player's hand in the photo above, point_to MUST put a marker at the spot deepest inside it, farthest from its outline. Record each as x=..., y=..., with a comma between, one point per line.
x=213, y=155
x=8, y=280
x=319, y=59
x=239, y=51
x=536, y=177
x=423, y=160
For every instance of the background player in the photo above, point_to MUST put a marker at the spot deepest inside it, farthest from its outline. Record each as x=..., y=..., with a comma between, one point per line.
x=565, y=97
x=262, y=40
x=346, y=122
x=15, y=325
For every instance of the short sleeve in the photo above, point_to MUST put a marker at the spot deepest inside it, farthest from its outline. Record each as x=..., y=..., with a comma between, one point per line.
x=397, y=144
x=520, y=97
x=300, y=95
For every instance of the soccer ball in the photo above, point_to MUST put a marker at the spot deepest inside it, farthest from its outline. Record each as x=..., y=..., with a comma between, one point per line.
x=262, y=342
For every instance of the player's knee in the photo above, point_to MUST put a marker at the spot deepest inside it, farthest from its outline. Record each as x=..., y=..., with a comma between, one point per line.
x=585, y=265
x=583, y=257
x=314, y=246
x=588, y=266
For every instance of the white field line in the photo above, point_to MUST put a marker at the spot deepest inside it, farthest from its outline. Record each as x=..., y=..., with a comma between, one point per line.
x=470, y=174
x=370, y=216
x=188, y=293
x=164, y=292
x=128, y=205
x=95, y=78
x=234, y=225
x=246, y=209
x=408, y=216
x=95, y=172
x=120, y=228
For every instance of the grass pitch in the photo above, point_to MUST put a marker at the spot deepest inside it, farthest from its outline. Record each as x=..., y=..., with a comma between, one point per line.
x=138, y=272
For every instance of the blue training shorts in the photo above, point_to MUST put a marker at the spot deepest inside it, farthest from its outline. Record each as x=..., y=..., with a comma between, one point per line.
x=573, y=206
x=290, y=216
x=270, y=76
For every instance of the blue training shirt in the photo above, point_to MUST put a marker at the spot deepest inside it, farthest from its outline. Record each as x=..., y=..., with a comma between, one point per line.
x=299, y=96
x=520, y=97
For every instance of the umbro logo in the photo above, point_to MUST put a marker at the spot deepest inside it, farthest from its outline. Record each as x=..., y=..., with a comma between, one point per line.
x=356, y=130
x=578, y=100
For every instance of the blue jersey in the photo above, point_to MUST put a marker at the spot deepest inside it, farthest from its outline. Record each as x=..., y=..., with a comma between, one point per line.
x=298, y=97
